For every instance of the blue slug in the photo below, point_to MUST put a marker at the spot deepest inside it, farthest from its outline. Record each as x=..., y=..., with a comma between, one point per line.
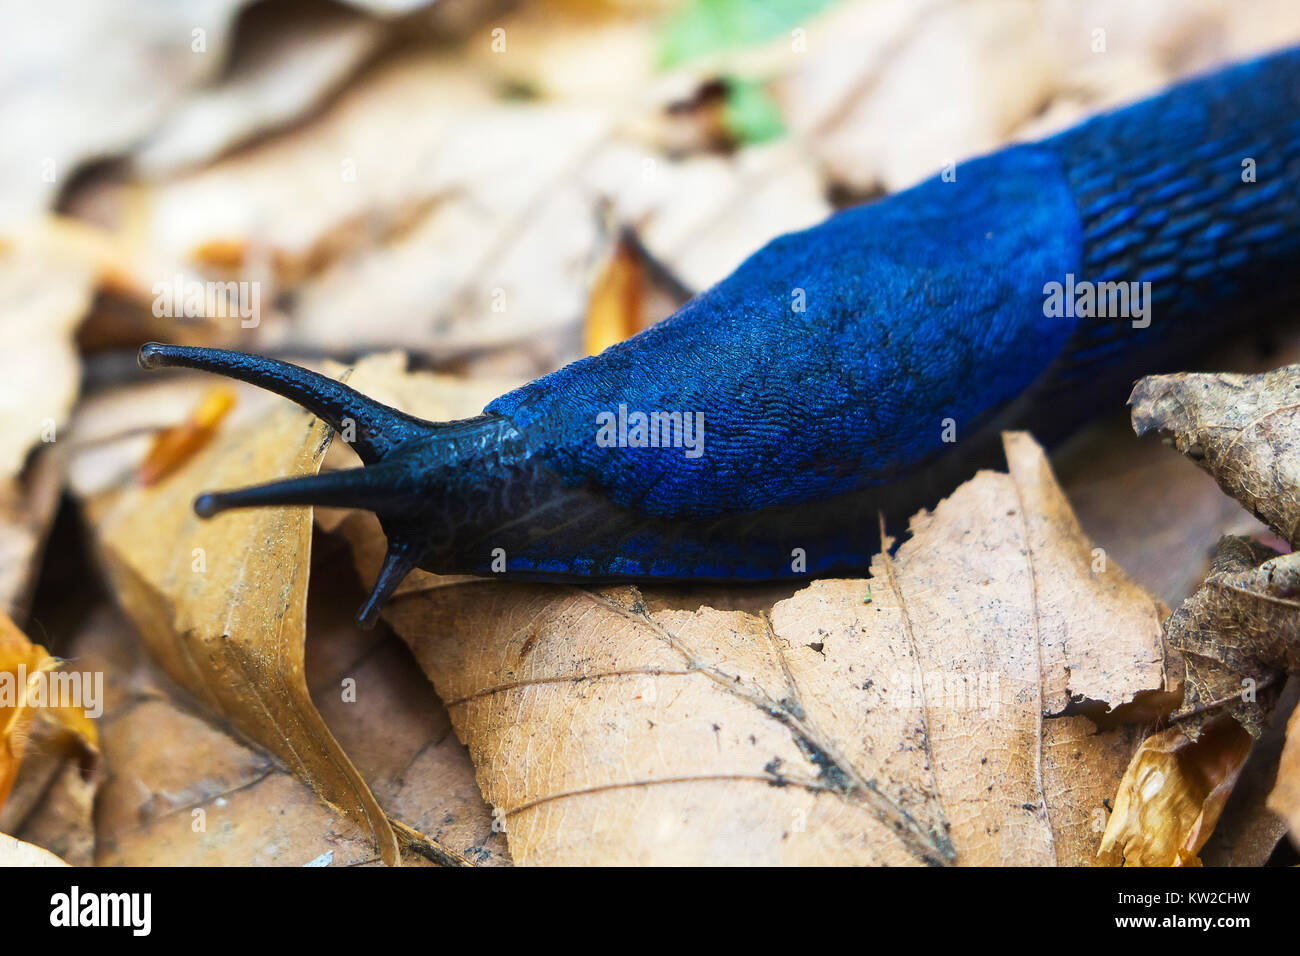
x=826, y=379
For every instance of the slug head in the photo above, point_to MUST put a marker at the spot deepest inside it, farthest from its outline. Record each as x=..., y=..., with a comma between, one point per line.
x=415, y=473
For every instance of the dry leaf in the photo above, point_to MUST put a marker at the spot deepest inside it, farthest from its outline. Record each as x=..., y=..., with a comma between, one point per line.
x=46, y=285
x=614, y=311
x=17, y=853
x=70, y=97
x=1285, y=798
x=420, y=776
x=384, y=713
x=474, y=229
x=1242, y=429
x=181, y=792
x=886, y=92
x=1240, y=632
x=221, y=604
x=61, y=737
x=21, y=663
x=171, y=448
x=1172, y=794
x=611, y=726
x=290, y=60
x=1248, y=832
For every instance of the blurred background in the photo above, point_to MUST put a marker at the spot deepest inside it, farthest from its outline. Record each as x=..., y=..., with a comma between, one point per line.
x=492, y=188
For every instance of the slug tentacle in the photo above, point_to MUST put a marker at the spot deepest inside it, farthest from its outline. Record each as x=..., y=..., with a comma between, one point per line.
x=371, y=428
x=372, y=488
x=399, y=561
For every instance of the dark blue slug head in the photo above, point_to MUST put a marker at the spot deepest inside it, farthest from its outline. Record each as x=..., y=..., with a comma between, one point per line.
x=435, y=487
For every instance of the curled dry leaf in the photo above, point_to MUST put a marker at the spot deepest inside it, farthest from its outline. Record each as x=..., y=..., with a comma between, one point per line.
x=1240, y=632
x=1172, y=794
x=1248, y=831
x=30, y=710
x=614, y=310
x=49, y=749
x=925, y=726
x=1243, y=429
x=171, y=448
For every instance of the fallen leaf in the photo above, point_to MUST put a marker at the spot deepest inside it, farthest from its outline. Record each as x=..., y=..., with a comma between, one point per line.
x=1248, y=832
x=1285, y=798
x=1172, y=794
x=614, y=311
x=70, y=97
x=475, y=229
x=172, y=447
x=1242, y=429
x=46, y=285
x=182, y=792
x=221, y=605
x=406, y=765
x=291, y=59
x=17, y=853
x=53, y=800
x=1240, y=632
x=384, y=713
x=21, y=664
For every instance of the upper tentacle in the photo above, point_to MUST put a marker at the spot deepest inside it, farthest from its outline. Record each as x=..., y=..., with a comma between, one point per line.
x=372, y=428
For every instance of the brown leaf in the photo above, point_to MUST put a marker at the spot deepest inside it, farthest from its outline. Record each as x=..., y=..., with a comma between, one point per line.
x=289, y=60
x=1242, y=429
x=45, y=288
x=182, y=792
x=21, y=663
x=221, y=604
x=614, y=311
x=73, y=97
x=17, y=853
x=1285, y=798
x=172, y=447
x=381, y=708
x=1172, y=794
x=1240, y=632
x=1248, y=832
x=389, y=720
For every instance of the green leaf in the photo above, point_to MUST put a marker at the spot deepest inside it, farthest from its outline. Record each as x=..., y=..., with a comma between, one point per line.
x=750, y=114
x=700, y=27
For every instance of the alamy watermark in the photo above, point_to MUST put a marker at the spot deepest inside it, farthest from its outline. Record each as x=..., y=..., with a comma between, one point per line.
x=1103, y=300
x=83, y=690
x=192, y=299
x=626, y=429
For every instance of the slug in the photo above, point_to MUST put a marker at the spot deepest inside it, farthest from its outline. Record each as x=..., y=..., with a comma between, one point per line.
x=758, y=432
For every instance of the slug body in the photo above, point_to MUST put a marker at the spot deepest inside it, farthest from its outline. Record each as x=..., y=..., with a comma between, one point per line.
x=860, y=366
